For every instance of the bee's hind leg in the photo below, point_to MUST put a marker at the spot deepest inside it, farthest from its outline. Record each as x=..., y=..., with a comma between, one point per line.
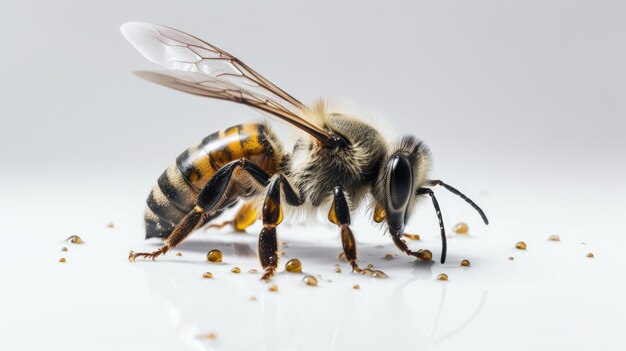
x=272, y=217
x=340, y=215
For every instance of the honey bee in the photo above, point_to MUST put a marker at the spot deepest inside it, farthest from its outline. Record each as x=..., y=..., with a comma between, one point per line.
x=338, y=162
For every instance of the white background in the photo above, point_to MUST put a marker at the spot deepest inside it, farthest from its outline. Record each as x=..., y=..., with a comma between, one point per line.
x=521, y=102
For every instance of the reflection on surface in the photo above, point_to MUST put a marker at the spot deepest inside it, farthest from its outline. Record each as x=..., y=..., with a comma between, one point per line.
x=397, y=312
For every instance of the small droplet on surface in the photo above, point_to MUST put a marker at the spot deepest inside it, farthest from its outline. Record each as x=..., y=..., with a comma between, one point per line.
x=62, y=259
x=64, y=248
x=75, y=239
x=590, y=255
x=389, y=257
x=273, y=288
x=207, y=275
x=283, y=244
x=110, y=225
x=236, y=270
x=283, y=253
x=369, y=265
x=511, y=258
x=214, y=256
x=461, y=228
x=379, y=274
x=210, y=336
x=412, y=236
x=310, y=280
x=584, y=243
x=442, y=276
x=293, y=266
x=520, y=245
x=356, y=286
x=252, y=298
x=337, y=270
x=179, y=254
x=554, y=237
x=253, y=271
x=465, y=263
x=424, y=255
x=342, y=256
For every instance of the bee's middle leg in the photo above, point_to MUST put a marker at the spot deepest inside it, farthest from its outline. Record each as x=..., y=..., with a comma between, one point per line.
x=340, y=215
x=272, y=217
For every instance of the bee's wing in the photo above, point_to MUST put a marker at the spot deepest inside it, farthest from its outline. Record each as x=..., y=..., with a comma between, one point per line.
x=202, y=69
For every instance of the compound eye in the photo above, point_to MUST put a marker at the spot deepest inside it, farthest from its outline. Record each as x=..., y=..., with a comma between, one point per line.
x=400, y=182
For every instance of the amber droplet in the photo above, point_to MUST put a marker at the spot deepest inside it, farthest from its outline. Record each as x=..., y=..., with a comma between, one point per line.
x=210, y=336
x=207, y=275
x=294, y=266
x=389, y=257
x=62, y=259
x=75, y=239
x=379, y=214
x=342, y=256
x=179, y=254
x=520, y=245
x=284, y=244
x=554, y=237
x=590, y=255
x=465, y=263
x=236, y=270
x=337, y=270
x=273, y=288
x=412, y=236
x=461, y=228
x=310, y=280
x=442, y=276
x=511, y=258
x=253, y=271
x=356, y=286
x=64, y=248
x=252, y=298
x=110, y=225
x=369, y=265
x=424, y=255
x=283, y=253
x=379, y=274
x=214, y=256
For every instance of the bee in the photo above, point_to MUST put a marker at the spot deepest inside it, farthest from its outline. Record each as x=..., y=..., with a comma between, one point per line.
x=338, y=162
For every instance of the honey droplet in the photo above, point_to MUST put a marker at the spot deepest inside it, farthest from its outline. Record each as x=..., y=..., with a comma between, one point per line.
x=337, y=270
x=64, y=248
x=520, y=245
x=273, y=288
x=110, y=225
x=389, y=257
x=283, y=253
x=511, y=258
x=75, y=239
x=465, y=263
x=366, y=271
x=236, y=270
x=284, y=244
x=179, y=254
x=342, y=256
x=356, y=286
x=369, y=265
x=214, y=256
x=554, y=237
x=210, y=336
x=590, y=255
x=62, y=259
x=442, y=276
x=461, y=228
x=310, y=280
x=424, y=255
x=294, y=266
x=253, y=271
x=207, y=275
x=379, y=274
x=252, y=298
x=412, y=236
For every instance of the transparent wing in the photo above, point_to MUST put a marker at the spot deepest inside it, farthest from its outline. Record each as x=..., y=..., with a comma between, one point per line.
x=202, y=69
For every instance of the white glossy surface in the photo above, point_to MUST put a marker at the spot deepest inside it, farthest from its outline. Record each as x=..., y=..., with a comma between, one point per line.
x=550, y=295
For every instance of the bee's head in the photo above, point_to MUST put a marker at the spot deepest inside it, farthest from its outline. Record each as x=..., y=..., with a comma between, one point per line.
x=404, y=171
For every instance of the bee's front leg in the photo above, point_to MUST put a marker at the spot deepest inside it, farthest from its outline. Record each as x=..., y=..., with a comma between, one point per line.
x=340, y=215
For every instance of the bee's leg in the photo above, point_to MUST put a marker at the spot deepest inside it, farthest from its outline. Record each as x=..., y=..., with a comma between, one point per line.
x=340, y=215
x=245, y=217
x=208, y=201
x=272, y=217
x=424, y=255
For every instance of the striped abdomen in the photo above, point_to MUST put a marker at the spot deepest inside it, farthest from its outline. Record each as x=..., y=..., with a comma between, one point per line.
x=178, y=187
